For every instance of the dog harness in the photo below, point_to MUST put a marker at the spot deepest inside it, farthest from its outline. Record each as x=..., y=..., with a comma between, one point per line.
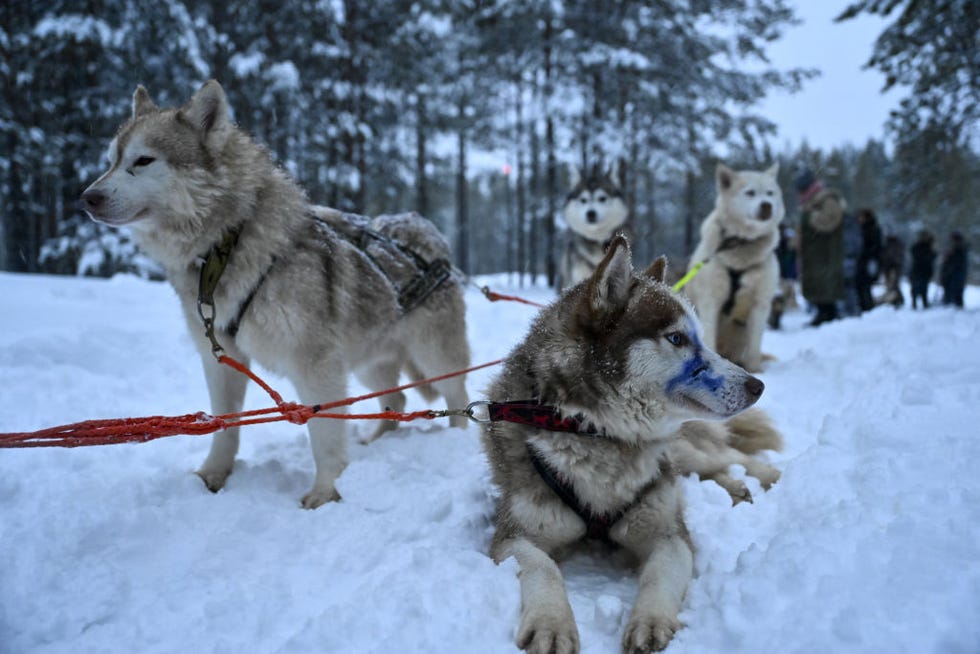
x=540, y=416
x=410, y=275
x=427, y=276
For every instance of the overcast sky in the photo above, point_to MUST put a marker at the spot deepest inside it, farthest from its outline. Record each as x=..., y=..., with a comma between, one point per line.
x=844, y=104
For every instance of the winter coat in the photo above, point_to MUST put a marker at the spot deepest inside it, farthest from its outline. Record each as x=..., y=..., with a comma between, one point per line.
x=852, y=246
x=923, y=261
x=822, y=248
x=871, y=250
x=952, y=272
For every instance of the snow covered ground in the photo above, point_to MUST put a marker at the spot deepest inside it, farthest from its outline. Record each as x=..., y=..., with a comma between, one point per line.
x=869, y=543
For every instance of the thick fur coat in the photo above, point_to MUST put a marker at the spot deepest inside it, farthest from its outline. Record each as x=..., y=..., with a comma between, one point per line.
x=306, y=300
x=734, y=289
x=624, y=355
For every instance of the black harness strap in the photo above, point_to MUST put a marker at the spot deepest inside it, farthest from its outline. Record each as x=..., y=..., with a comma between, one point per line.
x=429, y=274
x=236, y=323
x=541, y=416
x=597, y=525
x=734, y=283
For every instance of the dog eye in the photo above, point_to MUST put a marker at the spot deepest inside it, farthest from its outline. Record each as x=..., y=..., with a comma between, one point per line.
x=602, y=198
x=143, y=161
x=750, y=193
x=583, y=200
x=677, y=339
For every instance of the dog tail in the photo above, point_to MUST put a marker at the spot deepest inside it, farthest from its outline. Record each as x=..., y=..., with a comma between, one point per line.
x=752, y=431
x=427, y=391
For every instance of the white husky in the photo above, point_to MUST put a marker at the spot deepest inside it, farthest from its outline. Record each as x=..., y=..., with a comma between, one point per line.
x=582, y=422
x=733, y=291
x=305, y=291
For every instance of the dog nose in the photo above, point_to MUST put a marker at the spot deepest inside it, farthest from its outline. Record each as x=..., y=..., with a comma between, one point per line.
x=765, y=211
x=92, y=201
x=754, y=387
x=591, y=215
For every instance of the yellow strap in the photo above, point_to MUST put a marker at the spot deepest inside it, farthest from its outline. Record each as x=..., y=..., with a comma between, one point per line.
x=690, y=274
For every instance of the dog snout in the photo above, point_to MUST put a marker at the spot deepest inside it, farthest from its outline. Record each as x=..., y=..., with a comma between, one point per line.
x=765, y=211
x=591, y=215
x=754, y=387
x=93, y=201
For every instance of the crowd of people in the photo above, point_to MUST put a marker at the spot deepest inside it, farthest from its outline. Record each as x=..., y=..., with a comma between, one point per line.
x=838, y=256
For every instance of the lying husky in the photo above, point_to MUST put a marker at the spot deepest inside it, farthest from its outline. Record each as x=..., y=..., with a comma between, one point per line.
x=579, y=441
x=733, y=292
x=595, y=211
x=305, y=291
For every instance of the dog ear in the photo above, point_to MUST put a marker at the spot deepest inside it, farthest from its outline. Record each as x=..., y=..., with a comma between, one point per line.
x=208, y=110
x=773, y=170
x=619, y=173
x=658, y=270
x=609, y=286
x=141, y=102
x=724, y=176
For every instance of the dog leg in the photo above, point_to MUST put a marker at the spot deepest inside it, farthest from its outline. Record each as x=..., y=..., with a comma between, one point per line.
x=754, y=327
x=450, y=354
x=227, y=389
x=666, y=573
x=328, y=437
x=735, y=488
x=378, y=377
x=547, y=623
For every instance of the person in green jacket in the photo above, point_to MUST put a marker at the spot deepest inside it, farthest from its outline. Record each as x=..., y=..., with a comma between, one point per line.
x=821, y=233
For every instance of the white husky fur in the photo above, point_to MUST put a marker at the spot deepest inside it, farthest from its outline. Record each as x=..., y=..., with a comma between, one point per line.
x=624, y=353
x=594, y=211
x=181, y=179
x=738, y=239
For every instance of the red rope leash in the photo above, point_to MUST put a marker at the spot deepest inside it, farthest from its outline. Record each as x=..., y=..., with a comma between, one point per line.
x=495, y=297
x=142, y=430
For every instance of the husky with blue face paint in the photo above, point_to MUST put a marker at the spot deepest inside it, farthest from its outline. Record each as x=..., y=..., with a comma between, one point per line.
x=610, y=396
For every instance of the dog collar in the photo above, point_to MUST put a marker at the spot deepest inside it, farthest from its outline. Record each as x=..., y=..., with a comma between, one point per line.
x=542, y=416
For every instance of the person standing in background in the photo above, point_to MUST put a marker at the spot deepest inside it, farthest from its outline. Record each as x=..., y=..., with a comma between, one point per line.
x=868, y=259
x=821, y=245
x=852, y=252
x=923, y=253
x=952, y=271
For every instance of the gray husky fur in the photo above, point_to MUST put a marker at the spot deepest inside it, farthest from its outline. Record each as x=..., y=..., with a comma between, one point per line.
x=622, y=352
x=594, y=211
x=320, y=307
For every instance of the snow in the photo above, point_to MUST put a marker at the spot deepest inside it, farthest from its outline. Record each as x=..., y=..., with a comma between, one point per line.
x=870, y=542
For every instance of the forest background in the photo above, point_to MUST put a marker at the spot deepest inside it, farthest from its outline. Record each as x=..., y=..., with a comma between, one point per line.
x=472, y=113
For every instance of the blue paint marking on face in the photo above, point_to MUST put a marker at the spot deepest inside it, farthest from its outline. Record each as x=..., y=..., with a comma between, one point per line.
x=696, y=373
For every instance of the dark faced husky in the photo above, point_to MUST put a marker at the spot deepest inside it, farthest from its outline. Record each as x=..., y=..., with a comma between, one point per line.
x=306, y=291
x=594, y=211
x=584, y=417
x=734, y=290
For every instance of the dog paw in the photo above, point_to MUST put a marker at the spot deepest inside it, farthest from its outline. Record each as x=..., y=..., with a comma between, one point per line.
x=213, y=479
x=649, y=634
x=319, y=496
x=768, y=476
x=739, y=493
x=548, y=632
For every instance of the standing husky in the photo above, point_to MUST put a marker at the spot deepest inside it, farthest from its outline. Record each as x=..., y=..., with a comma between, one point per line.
x=283, y=285
x=584, y=415
x=733, y=291
x=595, y=211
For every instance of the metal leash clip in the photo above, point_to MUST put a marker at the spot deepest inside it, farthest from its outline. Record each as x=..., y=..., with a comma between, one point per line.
x=478, y=411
